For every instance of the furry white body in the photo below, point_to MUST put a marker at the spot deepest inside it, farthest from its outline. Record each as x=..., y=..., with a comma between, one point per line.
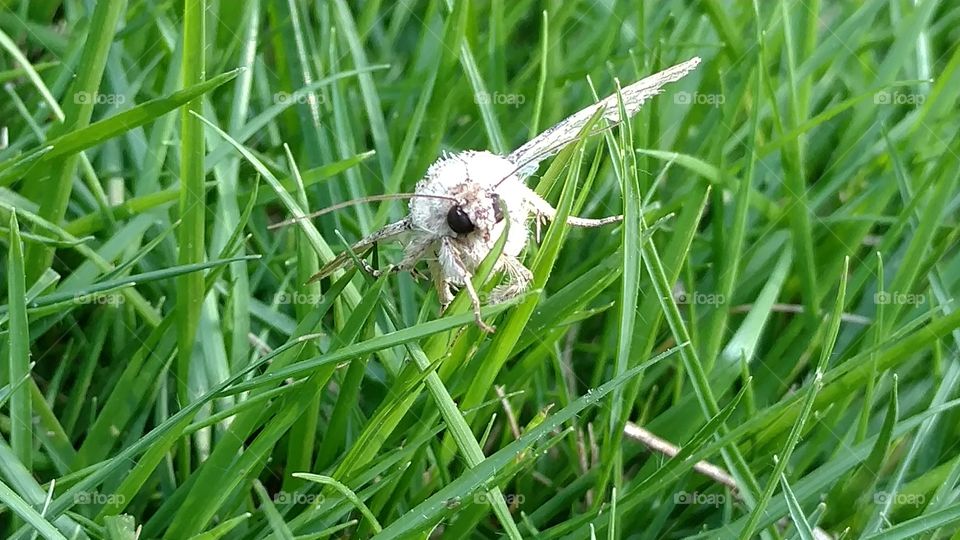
x=482, y=180
x=454, y=218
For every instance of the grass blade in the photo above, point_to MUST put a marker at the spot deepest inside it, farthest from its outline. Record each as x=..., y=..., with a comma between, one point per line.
x=52, y=196
x=192, y=207
x=18, y=363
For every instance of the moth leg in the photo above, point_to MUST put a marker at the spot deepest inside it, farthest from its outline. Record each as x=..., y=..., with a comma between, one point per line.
x=539, y=220
x=373, y=272
x=518, y=279
x=388, y=233
x=450, y=261
x=444, y=293
x=541, y=207
x=414, y=253
x=417, y=275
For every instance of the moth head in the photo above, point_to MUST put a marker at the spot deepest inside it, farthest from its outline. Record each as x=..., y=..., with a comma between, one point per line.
x=459, y=220
x=469, y=182
x=481, y=210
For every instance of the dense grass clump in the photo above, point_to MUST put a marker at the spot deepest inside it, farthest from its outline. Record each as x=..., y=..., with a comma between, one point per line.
x=768, y=346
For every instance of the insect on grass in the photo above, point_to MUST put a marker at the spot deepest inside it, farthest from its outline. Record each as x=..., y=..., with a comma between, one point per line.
x=457, y=209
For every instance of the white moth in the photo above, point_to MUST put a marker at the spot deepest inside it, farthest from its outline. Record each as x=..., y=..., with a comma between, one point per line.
x=455, y=214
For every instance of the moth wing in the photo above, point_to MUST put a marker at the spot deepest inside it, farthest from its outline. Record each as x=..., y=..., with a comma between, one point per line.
x=554, y=139
x=389, y=232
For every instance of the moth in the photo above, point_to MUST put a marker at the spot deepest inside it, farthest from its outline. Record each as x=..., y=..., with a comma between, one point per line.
x=456, y=214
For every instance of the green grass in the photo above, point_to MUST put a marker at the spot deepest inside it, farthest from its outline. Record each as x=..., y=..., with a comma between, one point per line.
x=780, y=301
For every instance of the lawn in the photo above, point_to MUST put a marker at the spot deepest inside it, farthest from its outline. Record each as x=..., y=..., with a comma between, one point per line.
x=768, y=344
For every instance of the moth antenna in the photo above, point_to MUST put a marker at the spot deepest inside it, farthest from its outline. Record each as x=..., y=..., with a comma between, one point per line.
x=361, y=200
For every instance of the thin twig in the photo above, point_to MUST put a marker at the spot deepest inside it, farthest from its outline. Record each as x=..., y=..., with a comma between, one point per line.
x=259, y=344
x=594, y=447
x=668, y=449
x=584, y=465
x=796, y=308
x=511, y=418
x=709, y=470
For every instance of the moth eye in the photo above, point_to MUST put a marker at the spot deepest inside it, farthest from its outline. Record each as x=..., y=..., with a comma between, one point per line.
x=459, y=221
x=497, y=209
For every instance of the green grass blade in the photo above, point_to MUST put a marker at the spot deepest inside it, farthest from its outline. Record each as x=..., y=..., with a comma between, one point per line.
x=422, y=515
x=804, y=530
x=89, y=136
x=18, y=362
x=53, y=195
x=20, y=507
x=346, y=492
x=31, y=73
x=192, y=207
x=783, y=458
